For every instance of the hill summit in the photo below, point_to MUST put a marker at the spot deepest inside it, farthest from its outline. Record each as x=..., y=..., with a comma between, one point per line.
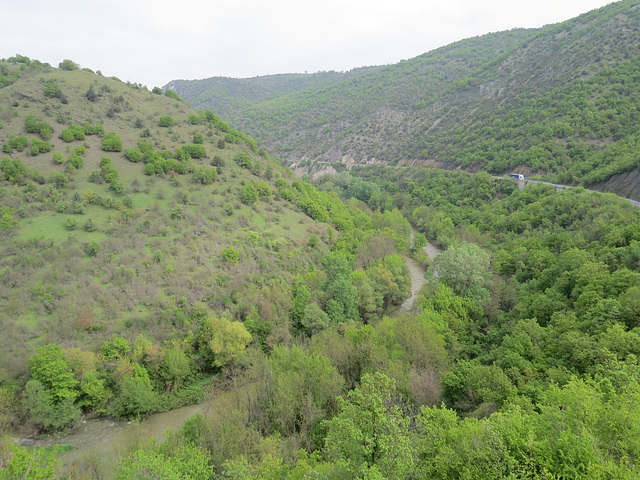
x=559, y=101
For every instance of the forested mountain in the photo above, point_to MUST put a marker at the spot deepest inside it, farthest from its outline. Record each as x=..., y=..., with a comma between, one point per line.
x=562, y=101
x=153, y=257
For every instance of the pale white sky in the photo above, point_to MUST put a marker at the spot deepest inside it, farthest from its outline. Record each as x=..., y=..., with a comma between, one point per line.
x=155, y=41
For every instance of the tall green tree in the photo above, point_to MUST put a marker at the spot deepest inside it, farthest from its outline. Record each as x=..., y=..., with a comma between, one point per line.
x=370, y=434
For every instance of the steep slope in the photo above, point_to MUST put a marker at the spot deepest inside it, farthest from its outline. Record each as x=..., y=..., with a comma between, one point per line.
x=227, y=96
x=561, y=100
x=112, y=223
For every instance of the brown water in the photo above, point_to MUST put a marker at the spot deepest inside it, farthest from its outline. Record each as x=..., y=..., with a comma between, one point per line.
x=102, y=439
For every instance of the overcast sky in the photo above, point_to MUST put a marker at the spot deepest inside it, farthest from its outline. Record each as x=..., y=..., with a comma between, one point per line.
x=155, y=41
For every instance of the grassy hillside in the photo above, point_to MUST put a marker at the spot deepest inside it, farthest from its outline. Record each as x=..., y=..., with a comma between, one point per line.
x=85, y=255
x=150, y=253
x=560, y=101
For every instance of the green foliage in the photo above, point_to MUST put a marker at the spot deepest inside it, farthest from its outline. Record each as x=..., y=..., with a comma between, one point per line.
x=171, y=94
x=52, y=90
x=249, y=194
x=91, y=94
x=195, y=151
x=7, y=219
x=185, y=462
x=30, y=464
x=370, y=434
x=222, y=341
x=230, y=255
x=18, y=143
x=111, y=143
x=166, y=121
x=68, y=65
x=465, y=268
x=71, y=224
x=59, y=179
x=204, y=176
x=74, y=161
x=49, y=368
x=133, y=154
x=244, y=160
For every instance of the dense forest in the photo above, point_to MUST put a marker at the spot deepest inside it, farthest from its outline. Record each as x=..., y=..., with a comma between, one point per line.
x=560, y=101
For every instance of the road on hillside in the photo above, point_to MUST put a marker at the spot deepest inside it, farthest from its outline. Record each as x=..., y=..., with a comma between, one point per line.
x=557, y=186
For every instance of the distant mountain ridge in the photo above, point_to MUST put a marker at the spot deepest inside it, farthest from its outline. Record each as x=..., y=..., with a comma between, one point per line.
x=559, y=100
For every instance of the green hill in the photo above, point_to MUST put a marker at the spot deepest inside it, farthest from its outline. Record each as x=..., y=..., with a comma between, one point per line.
x=128, y=218
x=560, y=101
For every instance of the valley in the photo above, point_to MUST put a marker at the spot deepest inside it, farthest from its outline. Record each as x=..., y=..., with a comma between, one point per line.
x=184, y=296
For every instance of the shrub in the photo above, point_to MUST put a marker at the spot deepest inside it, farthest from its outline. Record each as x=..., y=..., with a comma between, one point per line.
x=156, y=91
x=194, y=120
x=172, y=94
x=58, y=158
x=195, y=151
x=89, y=226
x=176, y=213
x=80, y=150
x=166, y=121
x=111, y=143
x=217, y=161
x=18, y=143
x=262, y=188
x=244, y=160
x=71, y=224
x=249, y=194
x=44, y=130
x=198, y=138
x=52, y=90
x=66, y=135
x=92, y=249
x=68, y=65
x=59, y=179
x=230, y=254
x=133, y=154
x=75, y=161
x=78, y=132
x=205, y=176
x=40, y=146
x=30, y=124
x=91, y=94
x=221, y=144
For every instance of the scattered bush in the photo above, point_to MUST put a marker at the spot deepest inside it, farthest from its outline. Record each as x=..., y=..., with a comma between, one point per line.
x=58, y=158
x=111, y=143
x=166, y=121
x=244, y=160
x=18, y=143
x=133, y=154
x=230, y=255
x=52, y=90
x=75, y=161
x=68, y=65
